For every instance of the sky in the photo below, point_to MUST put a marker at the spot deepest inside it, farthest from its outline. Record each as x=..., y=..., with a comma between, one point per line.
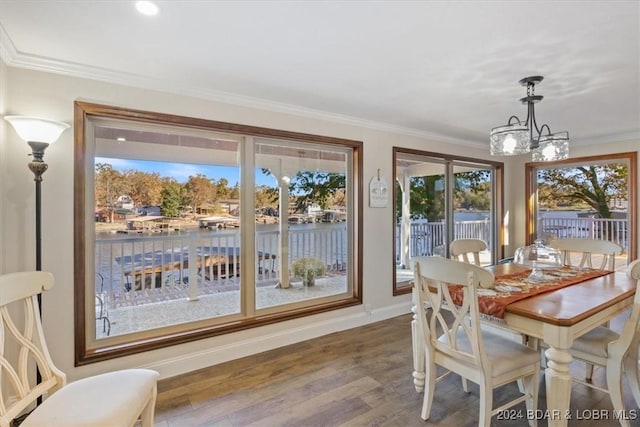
x=182, y=171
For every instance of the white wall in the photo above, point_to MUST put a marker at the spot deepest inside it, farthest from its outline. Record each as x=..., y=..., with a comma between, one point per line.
x=49, y=95
x=3, y=149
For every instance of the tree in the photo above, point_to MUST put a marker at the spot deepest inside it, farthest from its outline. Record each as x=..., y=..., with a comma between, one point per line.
x=234, y=193
x=594, y=185
x=266, y=197
x=222, y=188
x=426, y=198
x=171, y=199
x=110, y=184
x=199, y=190
x=144, y=188
x=427, y=194
x=315, y=187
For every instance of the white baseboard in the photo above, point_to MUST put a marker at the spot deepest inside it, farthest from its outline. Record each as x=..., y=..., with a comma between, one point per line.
x=202, y=359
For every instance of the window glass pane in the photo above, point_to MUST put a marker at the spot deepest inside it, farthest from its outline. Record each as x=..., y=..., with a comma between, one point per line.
x=303, y=222
x=420, y=211
x=167, y=239
x=473, y=206
x=585, y=200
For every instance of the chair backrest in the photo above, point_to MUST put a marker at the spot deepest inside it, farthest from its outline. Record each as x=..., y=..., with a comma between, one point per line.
x=589, y=250
x=22, y=344
x=460, y=250
x=459, y=322
x=630, y=334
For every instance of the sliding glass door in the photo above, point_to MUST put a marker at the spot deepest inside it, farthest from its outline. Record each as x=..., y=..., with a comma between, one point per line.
x=438, y=199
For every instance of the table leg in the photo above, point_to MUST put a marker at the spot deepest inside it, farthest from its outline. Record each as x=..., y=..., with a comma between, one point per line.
x=558, y=382
x=418, y=354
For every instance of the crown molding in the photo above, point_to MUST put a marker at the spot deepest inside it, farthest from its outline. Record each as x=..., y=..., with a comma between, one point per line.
x=603, y=139
x=14, y=58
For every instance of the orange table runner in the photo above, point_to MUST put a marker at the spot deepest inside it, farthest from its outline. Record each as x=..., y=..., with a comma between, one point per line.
x=515, y=287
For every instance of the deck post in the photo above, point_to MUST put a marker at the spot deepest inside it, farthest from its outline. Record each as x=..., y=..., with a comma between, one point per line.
x=193, y=268
x=283, y=235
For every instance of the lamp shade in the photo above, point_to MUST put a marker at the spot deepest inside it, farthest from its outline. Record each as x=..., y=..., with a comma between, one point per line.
x=35, y=129
x=510, y=140
x=552, y=147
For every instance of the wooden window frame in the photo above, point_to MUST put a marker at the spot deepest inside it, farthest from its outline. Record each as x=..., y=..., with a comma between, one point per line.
x=531, y=189
x=83, y=113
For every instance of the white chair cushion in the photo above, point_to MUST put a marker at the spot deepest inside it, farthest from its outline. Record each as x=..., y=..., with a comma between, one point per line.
x=595, y=342
x=107, y=400
x=508, y=354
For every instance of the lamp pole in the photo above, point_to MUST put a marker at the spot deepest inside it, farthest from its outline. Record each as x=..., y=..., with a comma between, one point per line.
x=38, y=167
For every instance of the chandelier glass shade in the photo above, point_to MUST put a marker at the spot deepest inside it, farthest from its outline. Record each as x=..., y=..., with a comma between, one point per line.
x=552, y=147
x=510, y=139
x=520, y=137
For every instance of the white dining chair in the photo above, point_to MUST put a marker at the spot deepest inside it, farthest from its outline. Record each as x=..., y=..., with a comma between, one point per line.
x=617, y=352
x=114, y=399
x=467, y=250
x=453, y=338
x=589, y=250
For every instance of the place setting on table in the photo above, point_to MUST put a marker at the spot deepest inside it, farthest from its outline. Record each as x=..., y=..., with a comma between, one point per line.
x=543, y=271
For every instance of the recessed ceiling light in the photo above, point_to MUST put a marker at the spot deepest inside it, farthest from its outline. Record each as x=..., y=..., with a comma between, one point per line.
x=121, y=139
x=147, y=8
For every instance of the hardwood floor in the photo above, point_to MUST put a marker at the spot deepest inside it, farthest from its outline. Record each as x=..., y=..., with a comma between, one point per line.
x=359, y=377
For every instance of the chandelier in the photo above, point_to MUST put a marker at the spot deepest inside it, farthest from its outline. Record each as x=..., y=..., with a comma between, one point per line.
x=518, y=137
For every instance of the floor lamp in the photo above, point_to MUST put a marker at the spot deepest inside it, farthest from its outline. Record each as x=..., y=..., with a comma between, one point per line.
x=38, y=133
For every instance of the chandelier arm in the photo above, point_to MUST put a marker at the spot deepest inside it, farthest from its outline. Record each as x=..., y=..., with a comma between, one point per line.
x=536, y=143
x=533, y=125
x=542, y=128
x=511, y=118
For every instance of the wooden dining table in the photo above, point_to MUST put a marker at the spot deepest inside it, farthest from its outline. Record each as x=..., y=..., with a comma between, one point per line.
x=557, y=318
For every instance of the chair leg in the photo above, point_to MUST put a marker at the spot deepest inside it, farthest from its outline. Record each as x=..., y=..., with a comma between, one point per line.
x=429, y=389
x=531, y=386
x=588, y=376
x=147, y=415
x=631, y=371
x=614, y=385
x=465, y=384
x=486, y=404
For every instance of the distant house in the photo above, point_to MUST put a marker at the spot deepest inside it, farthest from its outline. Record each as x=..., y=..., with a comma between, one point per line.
x=125, y=202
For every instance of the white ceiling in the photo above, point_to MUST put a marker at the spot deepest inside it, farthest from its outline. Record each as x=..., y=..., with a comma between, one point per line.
x=442, y=69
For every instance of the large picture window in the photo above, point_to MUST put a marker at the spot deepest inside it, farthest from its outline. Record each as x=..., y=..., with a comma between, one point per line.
x=585, y=198
x=187, y=228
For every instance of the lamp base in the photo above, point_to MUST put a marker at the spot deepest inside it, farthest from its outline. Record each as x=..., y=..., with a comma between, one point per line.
x=38, y=168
